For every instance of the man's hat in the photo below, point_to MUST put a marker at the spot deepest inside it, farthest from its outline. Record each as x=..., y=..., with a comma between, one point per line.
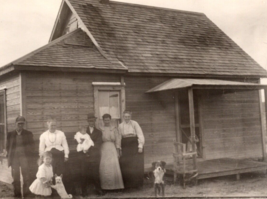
x=91, y=116
x=20, y=119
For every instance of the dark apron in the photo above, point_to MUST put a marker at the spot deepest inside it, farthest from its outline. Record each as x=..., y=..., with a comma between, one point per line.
x=131, y=163
x=58, y=161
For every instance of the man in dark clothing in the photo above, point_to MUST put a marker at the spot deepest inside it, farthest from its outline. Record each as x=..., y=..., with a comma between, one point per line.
x=19, y=151
x=91, y=159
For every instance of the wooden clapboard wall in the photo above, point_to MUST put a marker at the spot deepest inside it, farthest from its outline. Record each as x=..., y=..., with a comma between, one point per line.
x=13, y=108
x=231, y=124
x=156, y=115
x=67, y=96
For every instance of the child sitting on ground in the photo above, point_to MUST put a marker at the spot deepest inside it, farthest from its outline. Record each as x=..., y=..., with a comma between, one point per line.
x=42, y=185
x=84, y=140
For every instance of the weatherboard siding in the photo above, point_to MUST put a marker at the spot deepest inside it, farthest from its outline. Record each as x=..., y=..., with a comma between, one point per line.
x=156, y=115
x=67, y=96
x=230, y=121
x=231, y=125
x=12, y=84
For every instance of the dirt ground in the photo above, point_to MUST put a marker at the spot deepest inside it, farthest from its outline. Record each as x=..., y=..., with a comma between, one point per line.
x=250, y=184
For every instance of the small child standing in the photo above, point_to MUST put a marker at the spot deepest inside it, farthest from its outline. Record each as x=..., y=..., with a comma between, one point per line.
x=42, y=185
x=84, y=140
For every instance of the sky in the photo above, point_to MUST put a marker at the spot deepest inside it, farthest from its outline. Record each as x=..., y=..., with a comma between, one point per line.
x=26, y=25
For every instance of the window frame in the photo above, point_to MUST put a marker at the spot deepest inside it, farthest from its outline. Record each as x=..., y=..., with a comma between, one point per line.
x=109, y=86
x=3, y=92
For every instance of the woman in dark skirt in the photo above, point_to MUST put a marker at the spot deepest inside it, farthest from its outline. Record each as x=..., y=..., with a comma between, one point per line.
x=131, y=149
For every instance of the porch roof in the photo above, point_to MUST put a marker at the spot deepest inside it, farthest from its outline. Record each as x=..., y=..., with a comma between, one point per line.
x=177, y=83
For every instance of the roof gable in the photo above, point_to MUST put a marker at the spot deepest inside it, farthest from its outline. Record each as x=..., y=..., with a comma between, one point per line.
x=154, y=40
x=61, y=21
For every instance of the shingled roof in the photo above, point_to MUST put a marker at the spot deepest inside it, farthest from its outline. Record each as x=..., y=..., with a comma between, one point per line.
x=155, y=40
x=74, y=50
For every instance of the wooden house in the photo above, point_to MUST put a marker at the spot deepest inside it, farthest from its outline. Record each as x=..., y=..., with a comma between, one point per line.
x=178, y=73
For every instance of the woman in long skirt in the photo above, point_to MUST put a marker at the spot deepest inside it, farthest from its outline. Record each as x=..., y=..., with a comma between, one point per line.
x=110, y=173
x=131, y=149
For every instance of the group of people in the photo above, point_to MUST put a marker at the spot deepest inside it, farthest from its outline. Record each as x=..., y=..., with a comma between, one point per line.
x=109, y=158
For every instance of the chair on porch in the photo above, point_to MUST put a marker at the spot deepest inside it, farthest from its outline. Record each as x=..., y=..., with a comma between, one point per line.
x=183, y=164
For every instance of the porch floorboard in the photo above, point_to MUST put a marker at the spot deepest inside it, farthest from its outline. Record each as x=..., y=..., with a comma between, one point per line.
x=225, y=166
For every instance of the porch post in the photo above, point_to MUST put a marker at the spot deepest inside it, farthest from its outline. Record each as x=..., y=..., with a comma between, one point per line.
x=192, y=123
x=177, y=117
x=263, y=126
x=123, y=101
x=265, y=108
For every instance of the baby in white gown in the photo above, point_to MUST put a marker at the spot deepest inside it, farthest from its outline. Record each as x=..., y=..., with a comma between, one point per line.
x=84, y=140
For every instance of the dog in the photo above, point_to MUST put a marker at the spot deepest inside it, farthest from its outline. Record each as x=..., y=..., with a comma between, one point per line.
x=159, y=171
x=60, y=188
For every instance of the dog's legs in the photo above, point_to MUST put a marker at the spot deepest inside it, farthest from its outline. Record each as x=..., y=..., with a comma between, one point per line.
x=159, y=189
x=155, y=190
x=162, y=189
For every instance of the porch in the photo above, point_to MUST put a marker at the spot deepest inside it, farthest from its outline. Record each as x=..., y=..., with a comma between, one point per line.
x=224, y=167
x=222, y=121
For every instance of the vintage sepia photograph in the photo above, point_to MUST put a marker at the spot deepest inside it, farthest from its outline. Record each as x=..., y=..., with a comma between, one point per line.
x=133, y=99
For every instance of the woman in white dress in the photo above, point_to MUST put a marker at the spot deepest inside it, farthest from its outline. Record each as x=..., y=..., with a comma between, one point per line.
x=110, y=173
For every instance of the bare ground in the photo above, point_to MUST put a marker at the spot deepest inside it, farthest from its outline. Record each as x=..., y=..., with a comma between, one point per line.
x=250, y=184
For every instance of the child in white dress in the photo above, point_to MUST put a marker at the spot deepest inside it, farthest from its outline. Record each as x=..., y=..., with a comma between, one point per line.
x=41, y=185
x=84, y=140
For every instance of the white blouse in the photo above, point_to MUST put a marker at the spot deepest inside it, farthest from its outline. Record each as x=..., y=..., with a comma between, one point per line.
x=45, y=171
x=55, y=140
x=130, y=129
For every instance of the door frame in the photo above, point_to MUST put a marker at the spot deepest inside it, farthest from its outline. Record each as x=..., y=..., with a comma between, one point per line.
x=3, y=92
x=109, y=86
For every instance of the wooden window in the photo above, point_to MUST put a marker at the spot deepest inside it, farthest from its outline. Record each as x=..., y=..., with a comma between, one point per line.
x=109, y=102
x=72, y=24
x=3, y=131
x=109, y=98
